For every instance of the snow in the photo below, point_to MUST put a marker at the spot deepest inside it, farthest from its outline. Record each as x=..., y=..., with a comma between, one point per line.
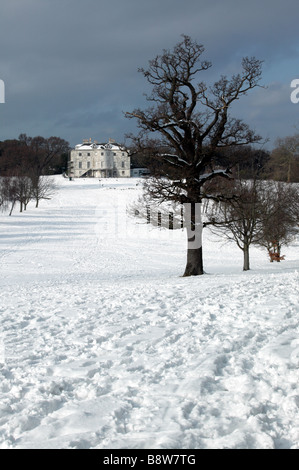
x=90, y=145
x=103, y=345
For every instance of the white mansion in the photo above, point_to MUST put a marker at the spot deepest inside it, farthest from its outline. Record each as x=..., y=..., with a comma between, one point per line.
x=91, y=159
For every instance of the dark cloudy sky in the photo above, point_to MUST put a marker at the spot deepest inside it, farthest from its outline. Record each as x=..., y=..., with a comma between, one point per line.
x=70, y=66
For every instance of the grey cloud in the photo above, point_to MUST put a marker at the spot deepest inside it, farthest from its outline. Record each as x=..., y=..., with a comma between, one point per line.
x=68, y=64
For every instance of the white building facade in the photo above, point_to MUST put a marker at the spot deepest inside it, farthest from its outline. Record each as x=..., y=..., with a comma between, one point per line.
x=95, y=160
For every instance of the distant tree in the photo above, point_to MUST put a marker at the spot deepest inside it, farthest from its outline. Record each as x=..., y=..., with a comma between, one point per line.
x=250, y=162
x=59, y=164
x=284, y=162
x=239, y=218
x=4, y=194
x=43, y=152
x=280, y=216
x=15, y=158
x=138, y=160
x=26, y=162
x=263, y=213
x=16, y=168
x=35, y=155
x=185, y=129
x=44, y=189
x=19, y=190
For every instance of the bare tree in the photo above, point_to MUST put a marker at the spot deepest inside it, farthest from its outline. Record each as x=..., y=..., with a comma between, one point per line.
x=42, y=151
x=280, y=217
x=7, y=194
x=20, y=190
x=24, y=163
x=42, y=188
x=263, y=213
x=23, y=189
x=190, y=123
x=284, y=161
x=239, y=218
x=4, y=193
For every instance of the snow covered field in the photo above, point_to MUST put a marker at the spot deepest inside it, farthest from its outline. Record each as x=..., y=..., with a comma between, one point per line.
x=103, y=344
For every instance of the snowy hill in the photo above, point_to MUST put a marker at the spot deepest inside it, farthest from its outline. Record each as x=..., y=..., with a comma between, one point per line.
x=104, y=345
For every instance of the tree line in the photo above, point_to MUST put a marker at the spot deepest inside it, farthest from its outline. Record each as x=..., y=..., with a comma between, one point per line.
x=25, y=166
x=279, y=164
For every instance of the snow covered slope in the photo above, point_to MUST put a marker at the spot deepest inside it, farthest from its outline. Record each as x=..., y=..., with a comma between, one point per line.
x=104, y=345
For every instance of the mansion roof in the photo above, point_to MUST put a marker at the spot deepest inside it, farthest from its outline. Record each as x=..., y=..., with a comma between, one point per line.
x=89, y=145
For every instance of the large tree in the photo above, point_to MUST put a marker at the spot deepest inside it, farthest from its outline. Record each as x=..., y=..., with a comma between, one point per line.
x=186, y=128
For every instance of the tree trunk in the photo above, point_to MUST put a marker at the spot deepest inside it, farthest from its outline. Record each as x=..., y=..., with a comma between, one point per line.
x=193, y=224
x=289, y=172
x=194, y=266
x=246, y=266
x=278, y=252
x=12, y=206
